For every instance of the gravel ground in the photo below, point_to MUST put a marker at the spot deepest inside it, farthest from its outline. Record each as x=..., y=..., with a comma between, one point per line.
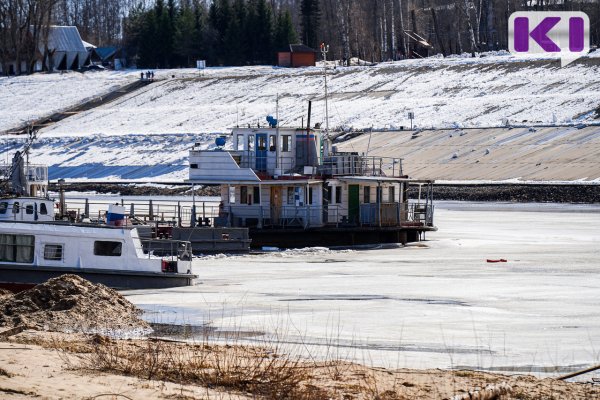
x=517, y=193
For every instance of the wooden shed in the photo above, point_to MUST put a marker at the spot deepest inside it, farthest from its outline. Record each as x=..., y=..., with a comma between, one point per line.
x=298, y=55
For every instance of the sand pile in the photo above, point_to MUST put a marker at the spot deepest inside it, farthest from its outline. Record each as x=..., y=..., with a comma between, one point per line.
x=70, y=303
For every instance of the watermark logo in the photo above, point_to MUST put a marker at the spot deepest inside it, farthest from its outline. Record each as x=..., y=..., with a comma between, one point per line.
x=566, y=33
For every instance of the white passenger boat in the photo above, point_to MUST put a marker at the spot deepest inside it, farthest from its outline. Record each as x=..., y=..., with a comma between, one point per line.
x=35, y=247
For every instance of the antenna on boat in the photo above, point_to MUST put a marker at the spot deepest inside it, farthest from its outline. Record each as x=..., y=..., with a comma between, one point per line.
x=324, y=51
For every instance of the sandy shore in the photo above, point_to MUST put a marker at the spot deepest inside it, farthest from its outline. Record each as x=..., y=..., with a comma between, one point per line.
x=46, y=365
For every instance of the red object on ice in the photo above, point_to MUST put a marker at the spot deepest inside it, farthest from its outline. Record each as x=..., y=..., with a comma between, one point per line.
x=496, y=261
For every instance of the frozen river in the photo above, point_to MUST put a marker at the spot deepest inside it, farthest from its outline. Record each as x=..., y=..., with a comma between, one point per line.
x=434, y=304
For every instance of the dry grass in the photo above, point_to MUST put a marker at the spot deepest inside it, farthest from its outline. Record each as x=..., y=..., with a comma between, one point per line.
x=245, y=369
x=268, y=372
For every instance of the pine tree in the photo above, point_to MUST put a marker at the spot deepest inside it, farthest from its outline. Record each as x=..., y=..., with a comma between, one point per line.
x=185, y=36
x=285, y=33
x=310, y=14
x=235, y=37
x=219, y=18
x=264, y=32
x=147, y=45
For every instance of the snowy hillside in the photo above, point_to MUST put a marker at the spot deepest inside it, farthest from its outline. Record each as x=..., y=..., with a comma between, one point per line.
x=145, y=135
x=441, y=92
x=156, y=158
x=26, y=98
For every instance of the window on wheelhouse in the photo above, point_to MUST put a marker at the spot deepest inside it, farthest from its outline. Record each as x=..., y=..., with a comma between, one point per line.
x=3, y=207
x=53, y=252
x=392, y=194
x=43, y=209
x=366, y=195
x=256, y=195
x=29, y=209
x=16, y=207
x=272, y=143
x=17, y=248
x=244, y=195
x=107, y=248
x=286, y=143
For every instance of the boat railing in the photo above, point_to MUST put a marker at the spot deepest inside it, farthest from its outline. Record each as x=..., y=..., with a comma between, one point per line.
x=356, y=165
x=33, y=172
x=259, y=161
x=169, y=249
x=418, y=214
x=140, y=212
x=308, y=216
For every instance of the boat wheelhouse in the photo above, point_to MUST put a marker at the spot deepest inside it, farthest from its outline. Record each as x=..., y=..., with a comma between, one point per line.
x=278, y=180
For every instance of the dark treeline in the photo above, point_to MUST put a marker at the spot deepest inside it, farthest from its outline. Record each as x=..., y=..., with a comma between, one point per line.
x=238, y=32
x=174, y=33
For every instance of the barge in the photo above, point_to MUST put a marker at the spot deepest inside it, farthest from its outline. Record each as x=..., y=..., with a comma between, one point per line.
x=291, y=188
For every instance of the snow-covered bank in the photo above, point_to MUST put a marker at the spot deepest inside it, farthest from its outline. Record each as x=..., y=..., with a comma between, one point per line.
x=24, y=99
x=441, y=92
x=145, y=135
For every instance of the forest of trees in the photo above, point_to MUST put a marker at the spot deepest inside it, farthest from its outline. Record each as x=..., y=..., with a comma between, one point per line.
x=174, y=33
x=224, y=33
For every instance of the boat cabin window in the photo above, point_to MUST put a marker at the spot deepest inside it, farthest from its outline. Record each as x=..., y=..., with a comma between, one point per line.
x=256, y=197
x=310, y=195
x=272, y=143
x=262, y=143
x=29, y=209
x=53, y=252
x=43, y=209
x=3, y=207
x=106, y=248
x=286, y=143
x=338, y=195
x=17, y=248
x=392, y=194
x=290, y=195
x=16, y=207
x=366, y=195
x=250, y=143
x=244, y=195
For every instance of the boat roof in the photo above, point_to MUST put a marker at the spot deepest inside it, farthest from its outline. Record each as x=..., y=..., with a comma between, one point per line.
x=382, y=179
x=285, y=182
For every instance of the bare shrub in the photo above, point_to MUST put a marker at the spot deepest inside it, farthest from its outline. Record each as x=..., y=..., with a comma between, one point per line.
x=247, y=369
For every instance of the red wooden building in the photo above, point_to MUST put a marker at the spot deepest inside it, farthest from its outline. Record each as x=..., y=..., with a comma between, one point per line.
x=298, y=55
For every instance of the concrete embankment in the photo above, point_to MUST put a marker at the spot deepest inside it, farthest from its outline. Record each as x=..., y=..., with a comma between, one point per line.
x=491, y=155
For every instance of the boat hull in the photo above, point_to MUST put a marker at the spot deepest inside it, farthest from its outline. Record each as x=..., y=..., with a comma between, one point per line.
x=18, y=277
x=336, y=237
